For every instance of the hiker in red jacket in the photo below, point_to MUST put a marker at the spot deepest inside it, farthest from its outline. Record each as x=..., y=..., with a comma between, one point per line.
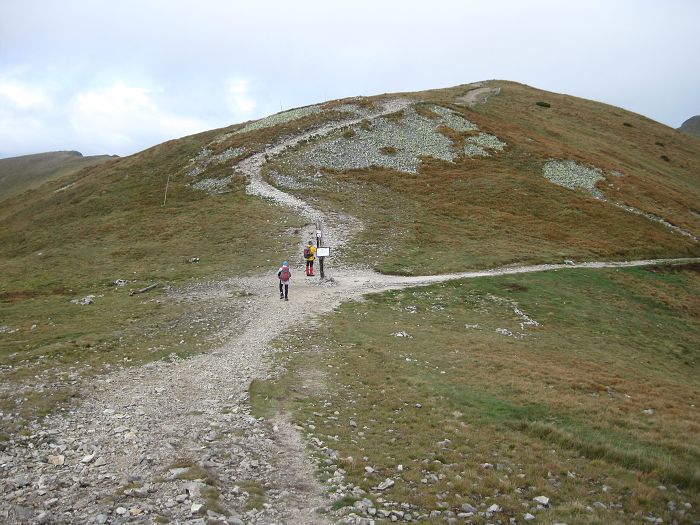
x=284, y=274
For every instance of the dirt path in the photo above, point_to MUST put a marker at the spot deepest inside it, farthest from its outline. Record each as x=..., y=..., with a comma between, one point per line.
x=137, y=445
x=478, y=95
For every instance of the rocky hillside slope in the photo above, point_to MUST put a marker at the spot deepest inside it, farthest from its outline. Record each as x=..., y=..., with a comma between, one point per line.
x=469, y=177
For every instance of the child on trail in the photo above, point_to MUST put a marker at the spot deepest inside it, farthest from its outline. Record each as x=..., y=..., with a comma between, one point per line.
x=310, y=256
x=284, y=275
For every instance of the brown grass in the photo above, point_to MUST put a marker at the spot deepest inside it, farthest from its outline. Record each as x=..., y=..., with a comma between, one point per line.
x=499, y=210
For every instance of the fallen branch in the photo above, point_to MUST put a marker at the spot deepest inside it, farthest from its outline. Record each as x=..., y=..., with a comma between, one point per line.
x=142, y=290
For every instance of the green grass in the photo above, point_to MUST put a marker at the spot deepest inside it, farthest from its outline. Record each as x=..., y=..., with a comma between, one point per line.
x=110, y=224
x=256, y=494
x=569, y=396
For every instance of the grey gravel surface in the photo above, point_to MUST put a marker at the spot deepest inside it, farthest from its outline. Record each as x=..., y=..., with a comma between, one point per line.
x=281, y=118
x=571, y=175
x=393, y=142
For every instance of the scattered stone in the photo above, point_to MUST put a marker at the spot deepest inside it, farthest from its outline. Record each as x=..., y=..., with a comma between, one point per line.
x=88, y=299
x=87, y=459
x=57, y=460
x=121, y=511
x=196, y=507
x=174, y=473
x=21, y=481
x=466, y=507
x=528, y=517
x=494, y=509
x=387, y=483
x=194, y=489
x=542, y=500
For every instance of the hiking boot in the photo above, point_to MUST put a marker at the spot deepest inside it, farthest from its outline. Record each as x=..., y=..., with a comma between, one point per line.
x=281, y=296
x=286, y=299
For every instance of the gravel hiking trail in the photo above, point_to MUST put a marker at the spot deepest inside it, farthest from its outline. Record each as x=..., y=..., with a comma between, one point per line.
x=176, y=438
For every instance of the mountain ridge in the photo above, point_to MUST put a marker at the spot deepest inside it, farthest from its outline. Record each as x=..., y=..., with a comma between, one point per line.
x=23, y=172
x=512, y=275
x=691, y=126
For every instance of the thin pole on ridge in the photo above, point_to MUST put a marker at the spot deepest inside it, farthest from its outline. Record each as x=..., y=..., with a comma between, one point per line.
x=166, y=190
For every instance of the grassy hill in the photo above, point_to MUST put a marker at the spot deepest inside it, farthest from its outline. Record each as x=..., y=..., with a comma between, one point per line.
x=482, y=211
x=75, y=236
x=691, y=126
x=18, y=174
x=467, y=177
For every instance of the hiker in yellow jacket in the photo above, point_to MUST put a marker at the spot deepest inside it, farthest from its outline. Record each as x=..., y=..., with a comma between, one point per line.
x=310, y=256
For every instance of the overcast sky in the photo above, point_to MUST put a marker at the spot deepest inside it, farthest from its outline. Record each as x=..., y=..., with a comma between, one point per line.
x=117, y=77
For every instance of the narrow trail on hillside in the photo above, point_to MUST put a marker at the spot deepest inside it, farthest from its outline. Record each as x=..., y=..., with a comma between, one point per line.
x=166, y=438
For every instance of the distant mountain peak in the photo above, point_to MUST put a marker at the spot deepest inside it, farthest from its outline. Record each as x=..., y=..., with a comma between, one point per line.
x=691, y=126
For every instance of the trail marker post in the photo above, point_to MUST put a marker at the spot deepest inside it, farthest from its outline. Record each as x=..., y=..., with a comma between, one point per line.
x=319, y=237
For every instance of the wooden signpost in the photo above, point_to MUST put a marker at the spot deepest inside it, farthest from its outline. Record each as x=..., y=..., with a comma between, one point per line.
x=321, y=251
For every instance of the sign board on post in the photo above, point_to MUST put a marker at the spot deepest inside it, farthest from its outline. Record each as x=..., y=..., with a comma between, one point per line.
x=318, y=233
x=323, y=251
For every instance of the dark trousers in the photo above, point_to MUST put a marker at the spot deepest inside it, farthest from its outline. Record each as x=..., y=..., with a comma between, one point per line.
x=285, y=291
x=309, y=267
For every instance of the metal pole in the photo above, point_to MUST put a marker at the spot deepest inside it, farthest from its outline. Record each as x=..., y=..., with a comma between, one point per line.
x=319, y=238
x=166, y=190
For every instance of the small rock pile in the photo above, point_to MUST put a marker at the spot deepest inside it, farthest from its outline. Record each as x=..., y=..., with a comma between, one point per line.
x=477, y=146
x=571, y=175
x=281, y=118
x=213, y=186
x=203, y=159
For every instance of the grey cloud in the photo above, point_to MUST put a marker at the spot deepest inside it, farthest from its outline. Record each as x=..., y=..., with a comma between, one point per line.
x=632, y=53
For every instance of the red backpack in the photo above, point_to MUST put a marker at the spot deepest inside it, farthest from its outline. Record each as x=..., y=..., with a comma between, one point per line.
x=284, y=274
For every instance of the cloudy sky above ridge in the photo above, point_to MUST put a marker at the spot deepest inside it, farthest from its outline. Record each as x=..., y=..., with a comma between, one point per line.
x=117, y=77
